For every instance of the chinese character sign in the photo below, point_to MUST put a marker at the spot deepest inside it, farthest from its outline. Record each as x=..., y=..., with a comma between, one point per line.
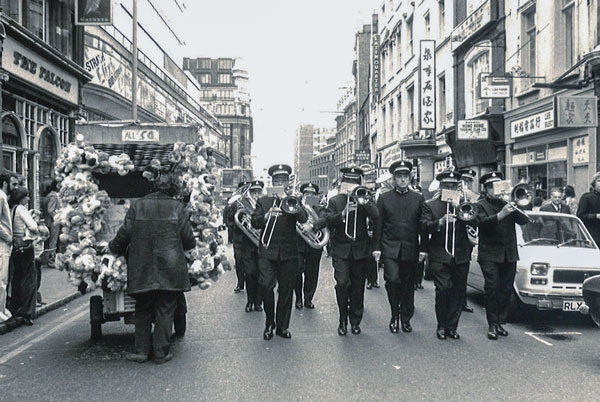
x=532, y=124
x=577, y=111
x=580, y=150
x=427, y=85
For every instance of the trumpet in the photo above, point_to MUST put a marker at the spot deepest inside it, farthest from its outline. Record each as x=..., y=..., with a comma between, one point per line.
x=290, y=205
x=359, y=196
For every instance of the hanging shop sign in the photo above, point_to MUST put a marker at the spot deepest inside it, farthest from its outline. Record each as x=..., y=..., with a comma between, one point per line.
x=376, y=68
x=493, y=87
x=474, y=23
x=26, y=64
x=427, y=85
x=532, y=124
x=472, y=130
x=362, y=156
x=576, y=111
x=93, y=12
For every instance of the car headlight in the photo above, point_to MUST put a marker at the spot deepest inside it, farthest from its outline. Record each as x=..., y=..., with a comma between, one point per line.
x=539, y=269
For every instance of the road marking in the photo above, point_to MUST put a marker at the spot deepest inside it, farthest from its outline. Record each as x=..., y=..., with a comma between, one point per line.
x=534, y=335
x=43, y=336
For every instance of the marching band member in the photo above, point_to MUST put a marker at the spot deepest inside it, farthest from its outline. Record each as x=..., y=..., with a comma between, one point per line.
x=497, y=254
x=397, y=242
x=468, y=179
x=237, y=234
x=309, y=258
x=449, y=271
x=278, y=256
x=245, y=252
x=350, y=255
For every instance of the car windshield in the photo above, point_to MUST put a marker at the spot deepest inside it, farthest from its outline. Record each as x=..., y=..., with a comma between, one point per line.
x=555, y=231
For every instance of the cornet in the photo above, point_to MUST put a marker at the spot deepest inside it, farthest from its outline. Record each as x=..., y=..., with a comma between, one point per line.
x=359, y=196
x=521, y=196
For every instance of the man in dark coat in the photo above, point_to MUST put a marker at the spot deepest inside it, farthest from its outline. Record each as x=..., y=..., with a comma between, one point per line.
x=157, y=230
x=449, y=271
x=497, y=252
x=244, y=250
x=349, y=250
x=239, y=262
x=277, y=253
x=309, y=258
x=589, y=209
x=556, y=204
x=468, y=182
x=399, y=241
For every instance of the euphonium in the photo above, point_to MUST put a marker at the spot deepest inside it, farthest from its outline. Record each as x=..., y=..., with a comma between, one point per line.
x=316, y=238
x=243, y=218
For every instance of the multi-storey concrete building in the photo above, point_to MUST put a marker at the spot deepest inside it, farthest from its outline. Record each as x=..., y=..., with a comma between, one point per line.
x=345, y=137
x=303, y=151
x=360, y=71
x=322, y=138
x=322, y=167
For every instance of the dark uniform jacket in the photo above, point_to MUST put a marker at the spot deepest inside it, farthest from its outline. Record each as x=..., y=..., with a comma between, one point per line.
x=398, y=233
x=239, y=238
x=433, y=211
x=320, y=223
x=341, y=245
x=157, y=230
x=284, y=241
x=564, y=209
x=497, y=240
x=589, y=206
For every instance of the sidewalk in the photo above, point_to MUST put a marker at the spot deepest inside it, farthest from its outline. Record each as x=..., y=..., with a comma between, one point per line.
x=56, y=292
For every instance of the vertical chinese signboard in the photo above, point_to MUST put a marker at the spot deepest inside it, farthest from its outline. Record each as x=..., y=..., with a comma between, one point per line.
x=427, y=85
x=577, y=111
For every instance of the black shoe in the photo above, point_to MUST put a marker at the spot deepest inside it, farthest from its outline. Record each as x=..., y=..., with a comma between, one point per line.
x=237, y=289
x=492, y=333
x=309, y=304
x=441, y=334
x=343, y=329
x=452, y=334
x=27, y=321
x=355, y=329
x=418, y=286
x=248, y=307
x=406, y=327
x=394, y=324
x=466, y=308
x=164, y=359
x=284, y=333
x=268, y=332
x=369, y=286
x=258, y=307
x=375, y=285
x=299, y=304
x=501, y=331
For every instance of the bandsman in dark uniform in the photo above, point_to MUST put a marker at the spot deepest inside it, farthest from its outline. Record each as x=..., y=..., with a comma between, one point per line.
x=398, y=242
x=350, y=255
x=497, y=252
x=449, y=271
x=278, y=254
x=239, y=264
x=309, y=258
x=245, y=252
x=468, y=179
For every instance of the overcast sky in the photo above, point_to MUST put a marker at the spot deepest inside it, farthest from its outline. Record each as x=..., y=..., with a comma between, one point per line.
x=297, y=53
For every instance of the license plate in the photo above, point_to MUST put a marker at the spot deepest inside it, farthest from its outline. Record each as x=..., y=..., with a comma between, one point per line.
x=572, y=305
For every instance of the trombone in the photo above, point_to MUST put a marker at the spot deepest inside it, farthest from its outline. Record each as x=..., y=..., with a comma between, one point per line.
x=359, y=196
x=520, y=196
x=450, y=197
x=290, y=205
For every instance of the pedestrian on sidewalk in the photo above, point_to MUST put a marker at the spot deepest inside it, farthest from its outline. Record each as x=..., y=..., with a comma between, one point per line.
x=5, y=245
x=589, y=208
x=24, y=280
x=38, y=252
x=50, y=206
x=156, y=230
x=570, y=200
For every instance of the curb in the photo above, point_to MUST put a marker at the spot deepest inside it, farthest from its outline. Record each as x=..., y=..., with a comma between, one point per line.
x=12, y=324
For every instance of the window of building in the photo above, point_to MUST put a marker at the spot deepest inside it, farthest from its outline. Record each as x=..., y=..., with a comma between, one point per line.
x=427, y=25
x=383, y=124
x=528, y=39
x=383, y=66
x=442, y=17
x=567, y=11
x=10, y=8
x=33, y=17
x=225, y=64
x=59, y=25
x=409, y=37
x=442, y=99
x=410, y=94
x=204, y=78
x=224, y=78
x=204, y=63
x=393, y=117
x=477, y=61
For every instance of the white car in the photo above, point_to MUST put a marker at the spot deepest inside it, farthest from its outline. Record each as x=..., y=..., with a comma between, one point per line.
x=556, y=254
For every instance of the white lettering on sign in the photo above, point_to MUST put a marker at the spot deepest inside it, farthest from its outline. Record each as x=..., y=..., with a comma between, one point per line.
x=472, y=130
x=129, y=135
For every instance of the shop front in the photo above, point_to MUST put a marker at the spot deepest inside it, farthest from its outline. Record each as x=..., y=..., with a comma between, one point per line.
x=552, y=143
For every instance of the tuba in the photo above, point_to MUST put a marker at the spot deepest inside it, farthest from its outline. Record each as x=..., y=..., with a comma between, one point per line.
x=243, y=216
x=316, y=238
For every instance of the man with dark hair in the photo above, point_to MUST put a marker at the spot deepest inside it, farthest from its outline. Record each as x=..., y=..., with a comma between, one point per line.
x=50, y=206
x=556, y=204
x=589, y=208
x=157, y=230
x=5, y=244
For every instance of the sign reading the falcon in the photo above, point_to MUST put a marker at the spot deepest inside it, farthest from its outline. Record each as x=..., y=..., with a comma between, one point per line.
x=427, y=85
x=93, y=12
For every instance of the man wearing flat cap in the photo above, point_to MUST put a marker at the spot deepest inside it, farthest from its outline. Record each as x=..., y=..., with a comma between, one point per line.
x=278, y=253
x=244, y=250
x=309, y=258
x=398, y=241
x=349, y=248
x=468, y=179
x=497, y=252
x=449, y=271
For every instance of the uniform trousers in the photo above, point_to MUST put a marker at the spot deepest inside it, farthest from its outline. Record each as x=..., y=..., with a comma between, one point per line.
x=399, y=283
x=307, y=275
x=499, y=278
x=372, y=274
x=157, y=305
x=246, y=258
x=450, y=281
x=349, y=277
x=239, y=267
x=282, y=273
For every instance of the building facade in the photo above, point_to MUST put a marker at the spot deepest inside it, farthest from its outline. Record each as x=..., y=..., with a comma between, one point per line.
x=360, y=71
x=321, y=138
x=322, y=167
x=304, y=150
x=345, y=136
x=40, y=79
